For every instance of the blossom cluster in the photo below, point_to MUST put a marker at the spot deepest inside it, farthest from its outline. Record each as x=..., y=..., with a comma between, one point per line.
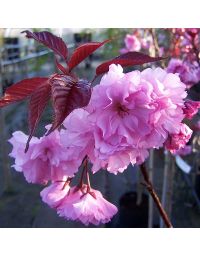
x=137, y=41
x=128, y=114
x=185, y=43
x=180, y=43
x=185, y=50
x=188, y=73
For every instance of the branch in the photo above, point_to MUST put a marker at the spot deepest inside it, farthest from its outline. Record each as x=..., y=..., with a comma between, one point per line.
x=156, y=45
x=155, y=197
x=155, y=42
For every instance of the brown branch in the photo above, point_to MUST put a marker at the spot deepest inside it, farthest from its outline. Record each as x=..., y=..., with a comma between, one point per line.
x=156, y=45
x=155, y=42
x=155, y=197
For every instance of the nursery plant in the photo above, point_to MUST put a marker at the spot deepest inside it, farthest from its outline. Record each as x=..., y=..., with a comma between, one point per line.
x=103, y=127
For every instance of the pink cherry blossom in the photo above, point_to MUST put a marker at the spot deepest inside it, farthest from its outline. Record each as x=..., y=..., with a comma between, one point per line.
x=86, y=207
x=33, y=171
x=119, y=161
x=18, y=140
x=132, y=113
x=54, y=194
x=191, y=108
x=132, y=43
x=78, y=134
x=188, y=73
x=47, y=159
x=177, y=141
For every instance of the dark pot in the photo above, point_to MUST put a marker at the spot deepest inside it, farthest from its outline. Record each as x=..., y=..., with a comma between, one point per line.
x=132, y=215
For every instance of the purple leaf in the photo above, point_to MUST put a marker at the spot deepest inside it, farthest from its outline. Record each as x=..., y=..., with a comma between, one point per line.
x=127, y=59
x=37, y=104
x=21, y=90
x=83, y=52
x=53, y=42
x=68, y=94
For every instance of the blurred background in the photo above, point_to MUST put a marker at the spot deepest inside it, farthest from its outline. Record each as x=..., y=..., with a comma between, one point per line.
x=176, y=178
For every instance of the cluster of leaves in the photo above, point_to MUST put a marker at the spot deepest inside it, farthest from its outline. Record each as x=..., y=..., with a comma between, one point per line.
x=66, y=91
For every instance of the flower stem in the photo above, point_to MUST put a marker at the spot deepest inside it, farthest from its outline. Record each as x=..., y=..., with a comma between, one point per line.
x=155, y=197
x=87, y=176
x=83, y=172
x=67, y=182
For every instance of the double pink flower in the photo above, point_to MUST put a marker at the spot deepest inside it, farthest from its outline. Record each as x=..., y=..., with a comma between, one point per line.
x=78, y=204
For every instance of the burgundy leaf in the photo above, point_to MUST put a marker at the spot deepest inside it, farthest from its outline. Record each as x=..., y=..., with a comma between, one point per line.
x=83, y=52
x=37, y=104
x=21, y=90
x=127, y=59
x=53, y=42
x=67, y=94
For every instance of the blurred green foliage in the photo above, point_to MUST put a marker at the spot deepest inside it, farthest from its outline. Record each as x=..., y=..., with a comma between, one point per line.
x=117, y=35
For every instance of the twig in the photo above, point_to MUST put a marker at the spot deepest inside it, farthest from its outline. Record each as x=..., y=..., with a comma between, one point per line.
x=156, y=45
x=155, y=42
x=155, y=197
